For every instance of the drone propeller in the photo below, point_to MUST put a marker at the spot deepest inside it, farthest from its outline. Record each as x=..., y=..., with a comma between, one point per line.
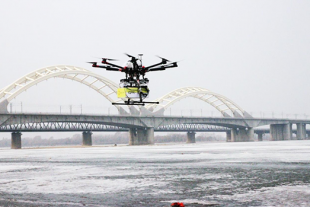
x=93, y=63
x=130, y=55
x=164, y=60
x=133, y=58
x=104, y=60
x=109, y=59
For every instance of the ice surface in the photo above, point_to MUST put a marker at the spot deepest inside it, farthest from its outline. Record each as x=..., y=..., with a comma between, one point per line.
x=230, y=174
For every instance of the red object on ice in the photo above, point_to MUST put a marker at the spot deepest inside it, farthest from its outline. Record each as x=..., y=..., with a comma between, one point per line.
x=177, y=204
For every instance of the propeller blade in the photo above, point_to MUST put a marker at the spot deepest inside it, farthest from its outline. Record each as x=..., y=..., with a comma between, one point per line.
x=94, y=64
x=104, y=60
x=109, y=59
x=130, y=55
x=133, y=58
x=163, y=59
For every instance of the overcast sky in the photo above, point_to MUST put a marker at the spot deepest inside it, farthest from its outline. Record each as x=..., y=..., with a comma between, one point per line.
x=256, y=53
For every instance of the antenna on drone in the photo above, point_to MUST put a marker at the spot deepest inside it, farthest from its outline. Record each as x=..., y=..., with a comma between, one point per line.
x=140, y=57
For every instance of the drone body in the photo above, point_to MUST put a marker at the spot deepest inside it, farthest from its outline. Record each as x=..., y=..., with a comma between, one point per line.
x=134, y=88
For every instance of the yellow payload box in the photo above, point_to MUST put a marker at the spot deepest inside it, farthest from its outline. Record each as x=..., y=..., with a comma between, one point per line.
x=121, y=93
x=128, y=92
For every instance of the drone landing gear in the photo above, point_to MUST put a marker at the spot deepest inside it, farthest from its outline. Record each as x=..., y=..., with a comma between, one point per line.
x=137, y=103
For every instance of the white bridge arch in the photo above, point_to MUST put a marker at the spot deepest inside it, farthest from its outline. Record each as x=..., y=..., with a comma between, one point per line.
x=224, y=105
x=108, y=89
x=102, y=85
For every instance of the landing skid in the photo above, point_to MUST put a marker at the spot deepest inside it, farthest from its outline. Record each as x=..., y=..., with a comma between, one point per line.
x=137, y=103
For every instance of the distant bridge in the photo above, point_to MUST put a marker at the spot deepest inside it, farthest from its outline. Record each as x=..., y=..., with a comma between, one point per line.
x=98, y=127
x=141, y=128
x=80, y=126
x=140, y=122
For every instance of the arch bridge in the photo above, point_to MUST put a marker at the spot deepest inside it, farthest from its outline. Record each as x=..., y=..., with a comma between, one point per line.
x=141, y=121
x=108, y=89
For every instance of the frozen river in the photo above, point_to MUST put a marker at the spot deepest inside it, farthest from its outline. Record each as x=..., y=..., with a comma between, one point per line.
x=201, y=174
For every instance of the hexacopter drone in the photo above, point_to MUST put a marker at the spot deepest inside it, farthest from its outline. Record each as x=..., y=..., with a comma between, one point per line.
x=134, y=88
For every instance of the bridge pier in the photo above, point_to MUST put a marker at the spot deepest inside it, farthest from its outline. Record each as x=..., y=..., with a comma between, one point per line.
x=191, y=137
x=141, y=136
x=4, y=106
x=260, y=136
x=242, y=134
x=16, y=140
x=280, y=132
x=87, y=140
x=301, y=131
x=228, y=136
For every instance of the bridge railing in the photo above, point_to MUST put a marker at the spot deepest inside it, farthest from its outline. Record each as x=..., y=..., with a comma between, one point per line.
x=20, y=107
x=280, y=115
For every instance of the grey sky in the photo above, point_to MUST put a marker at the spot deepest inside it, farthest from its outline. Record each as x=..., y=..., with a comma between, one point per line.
x=254, y=52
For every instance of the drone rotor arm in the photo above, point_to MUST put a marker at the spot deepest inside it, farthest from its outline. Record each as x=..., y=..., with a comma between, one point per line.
x=172, y=65
x=113, y=69
x=104, y=61
x=156, y=69
x=164, y=61
x=117, y=66
x=164, y=67
x=107, y=67
x=152, y=66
